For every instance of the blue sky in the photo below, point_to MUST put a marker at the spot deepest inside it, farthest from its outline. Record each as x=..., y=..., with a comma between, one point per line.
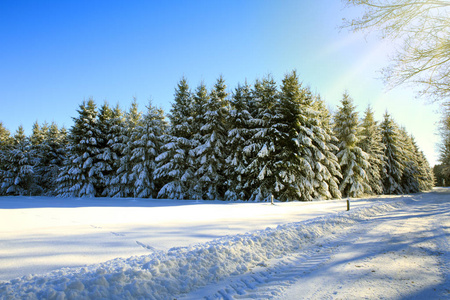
x=55, y=54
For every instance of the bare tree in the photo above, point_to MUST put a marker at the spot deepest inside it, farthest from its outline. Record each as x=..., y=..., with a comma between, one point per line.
x=423, y=29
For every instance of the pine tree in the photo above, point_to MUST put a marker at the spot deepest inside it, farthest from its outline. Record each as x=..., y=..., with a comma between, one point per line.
x=39, y=155
x=392, y=173
x=80, y=175
x=122, y=183
x=5, y=139
x=308, y=168
x=352, y=159
x=211, y=152
x=111, y=154
x=239, y=120
x=425, y=175
x=38, y=133
x=200, y=101
x=371, y=144
x=293, y=172
x=175, y=163
x=18, y=174
x=326, y=168
x=410, y=174
x=147, y=138
x=53, y=156
x=19, y=136
x=5, y=145
x=260, y=148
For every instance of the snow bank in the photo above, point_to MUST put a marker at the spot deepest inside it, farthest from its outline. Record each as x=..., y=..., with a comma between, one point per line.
x=163, y=274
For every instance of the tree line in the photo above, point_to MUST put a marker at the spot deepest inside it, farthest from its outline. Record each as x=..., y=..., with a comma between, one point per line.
x=263, y=140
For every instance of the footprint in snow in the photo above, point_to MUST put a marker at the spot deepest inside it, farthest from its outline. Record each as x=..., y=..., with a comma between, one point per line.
x=145, y=246
x=117, y=234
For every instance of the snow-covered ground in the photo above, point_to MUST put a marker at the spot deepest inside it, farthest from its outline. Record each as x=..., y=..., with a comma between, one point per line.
x=390, y=247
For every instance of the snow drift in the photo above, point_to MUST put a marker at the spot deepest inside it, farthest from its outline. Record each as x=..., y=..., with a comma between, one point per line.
x=164, y=274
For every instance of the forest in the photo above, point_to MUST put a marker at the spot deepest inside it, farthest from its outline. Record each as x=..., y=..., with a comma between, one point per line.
x=259, y=142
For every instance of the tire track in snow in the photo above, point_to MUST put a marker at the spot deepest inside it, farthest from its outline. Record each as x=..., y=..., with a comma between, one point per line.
x=265, y=282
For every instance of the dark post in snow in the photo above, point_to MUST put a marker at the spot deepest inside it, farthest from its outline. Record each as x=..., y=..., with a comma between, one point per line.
x=271, y=199
x=348, y=204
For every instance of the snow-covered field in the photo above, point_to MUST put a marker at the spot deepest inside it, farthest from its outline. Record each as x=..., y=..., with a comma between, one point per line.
x=390, y=247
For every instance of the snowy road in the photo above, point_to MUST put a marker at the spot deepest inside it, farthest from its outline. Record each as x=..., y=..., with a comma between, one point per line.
x=391, y=248
x=400, y=254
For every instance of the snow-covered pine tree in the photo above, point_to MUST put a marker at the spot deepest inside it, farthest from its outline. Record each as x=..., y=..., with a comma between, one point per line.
x=308, y=168
x=19, y=136
x=19, y=161
x=110, y=122
x=5, y=144
x=175, y=163
x=122, y=183
x=239, y=120
x=148, y=139
x=38, y=152
x=371, y=144
x=79, y=176
x=326, y=168
x=292, y=170
x=53, y=147
x=5, y=138
x=392, y=173
x=105, y=158
x=38, y=133
x=410, y=174
x=111, y=154
x=425, y=175
x=352, y=159
x=200, y=101
x=211, y=152
x=260, y=149
x=43, y=152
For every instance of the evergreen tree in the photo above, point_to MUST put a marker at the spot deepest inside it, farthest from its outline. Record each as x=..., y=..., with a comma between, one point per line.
x=122, y=183
x=308, y=169
x=210, y=152
x=147, y=138
x=425, y=175
x=239, y=120
x=19, y=136
x=326, y=168
x=371, y=144
x=109, y=126
x=5, y=139
x=440, y=178
x=81, y=175
x=260, y=149
x=111, y=155
x=18, y=174
x=352, y=159
x=200, y=101
x=38, y=152
x=410, y=174
x=38, y=134
x=293, y=172
x=392, y=173
x=5, y=145
x=175, y=163
x=53, y=156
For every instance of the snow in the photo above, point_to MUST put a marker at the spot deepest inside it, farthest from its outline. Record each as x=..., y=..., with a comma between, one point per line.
x=387, y=247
